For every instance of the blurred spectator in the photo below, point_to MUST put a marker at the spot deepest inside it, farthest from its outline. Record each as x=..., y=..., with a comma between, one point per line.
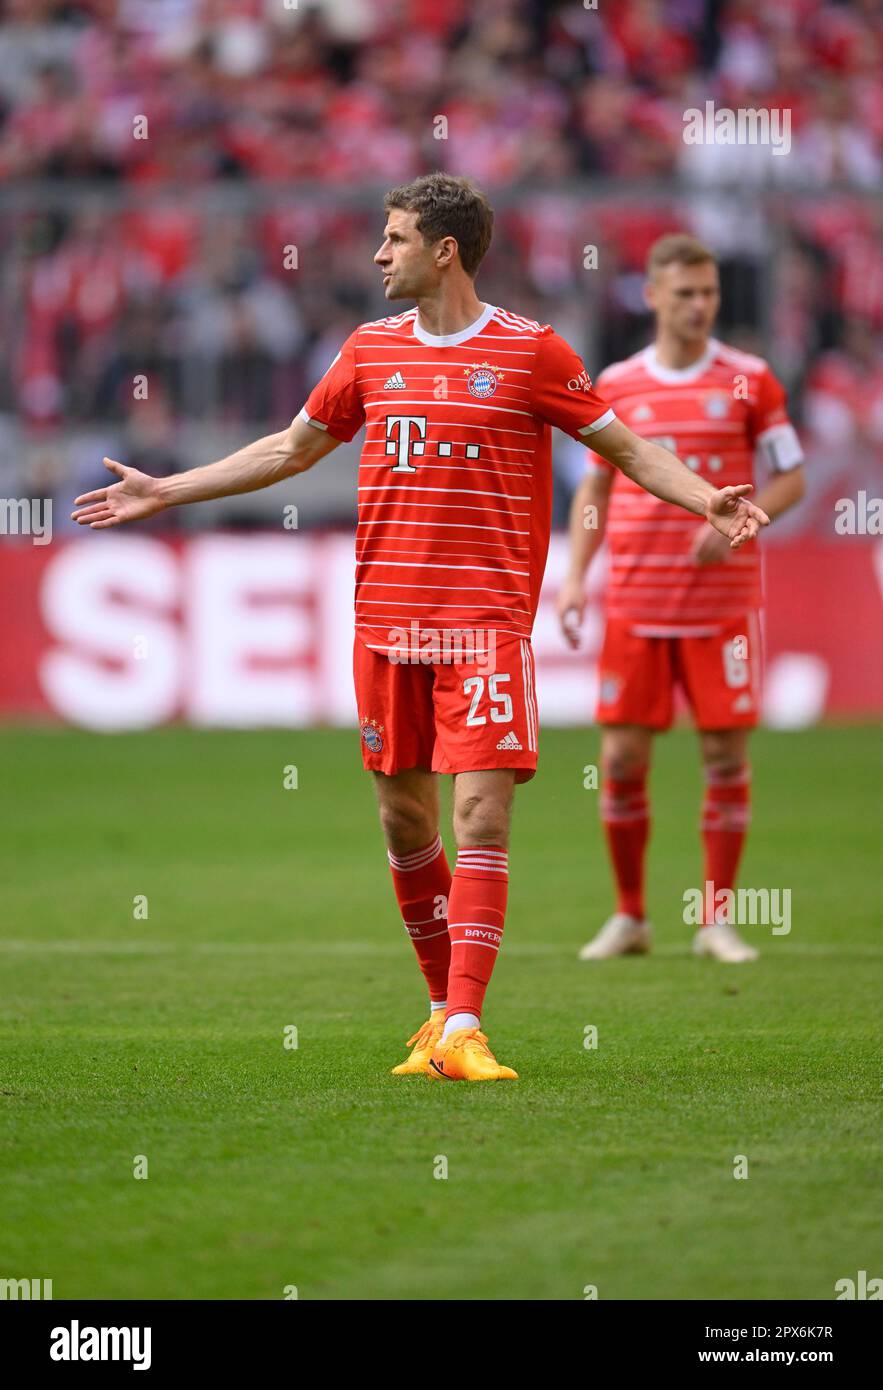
x=231, y=305
x=352, y=88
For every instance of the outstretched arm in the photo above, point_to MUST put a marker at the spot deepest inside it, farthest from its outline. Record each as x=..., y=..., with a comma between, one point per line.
x=588, y=518
x=658, y=471
x=258, y=465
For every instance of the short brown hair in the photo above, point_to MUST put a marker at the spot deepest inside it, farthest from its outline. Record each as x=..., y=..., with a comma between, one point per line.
x=677, y=249
x=448, y=206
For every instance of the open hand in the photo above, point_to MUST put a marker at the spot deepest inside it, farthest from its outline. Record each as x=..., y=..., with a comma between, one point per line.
x=730, y=513
x=136, y=496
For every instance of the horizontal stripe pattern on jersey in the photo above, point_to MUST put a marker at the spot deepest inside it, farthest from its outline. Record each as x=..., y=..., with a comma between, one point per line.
x=714, y=416
x=455, y=483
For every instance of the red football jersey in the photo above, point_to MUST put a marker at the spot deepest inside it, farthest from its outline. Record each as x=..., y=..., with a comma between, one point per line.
x=455, y=477
x=714, y=415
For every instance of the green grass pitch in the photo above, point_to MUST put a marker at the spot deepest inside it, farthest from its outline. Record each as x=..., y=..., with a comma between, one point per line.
x=270, y=1167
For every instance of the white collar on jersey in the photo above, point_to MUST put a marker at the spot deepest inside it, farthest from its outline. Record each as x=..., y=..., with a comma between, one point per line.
x=453, y=339
x=676, y=376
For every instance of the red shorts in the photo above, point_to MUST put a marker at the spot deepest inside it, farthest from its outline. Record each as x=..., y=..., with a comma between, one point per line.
x=719, y=675
x=448, y=716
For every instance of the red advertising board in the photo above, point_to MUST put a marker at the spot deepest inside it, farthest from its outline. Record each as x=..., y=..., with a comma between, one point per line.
x=119, y=631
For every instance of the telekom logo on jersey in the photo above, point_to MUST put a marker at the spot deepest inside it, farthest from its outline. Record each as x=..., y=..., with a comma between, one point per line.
x=404, y=442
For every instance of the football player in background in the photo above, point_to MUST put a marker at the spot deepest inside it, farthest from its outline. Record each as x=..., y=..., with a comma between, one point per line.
x=681, y=605
x=455, y=494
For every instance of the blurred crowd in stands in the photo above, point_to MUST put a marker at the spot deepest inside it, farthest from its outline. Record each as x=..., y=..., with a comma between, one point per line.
x=337, y=90
x=563, y=111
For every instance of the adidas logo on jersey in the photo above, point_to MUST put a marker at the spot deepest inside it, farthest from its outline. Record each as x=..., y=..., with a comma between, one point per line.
x=396, y=383
x=510, y=742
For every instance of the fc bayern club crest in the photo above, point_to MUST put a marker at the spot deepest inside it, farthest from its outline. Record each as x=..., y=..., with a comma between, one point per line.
x=717, y=405
x=609, y=690
x=372, y=733
x=482, y=379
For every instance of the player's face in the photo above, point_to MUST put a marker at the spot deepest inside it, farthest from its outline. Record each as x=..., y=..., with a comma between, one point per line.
x=685, y=299
x=408, y=265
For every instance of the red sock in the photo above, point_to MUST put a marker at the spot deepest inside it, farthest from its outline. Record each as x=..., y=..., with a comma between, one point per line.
x=476, y=912
x=726, y=815
x=422, y=882
x=625, y=815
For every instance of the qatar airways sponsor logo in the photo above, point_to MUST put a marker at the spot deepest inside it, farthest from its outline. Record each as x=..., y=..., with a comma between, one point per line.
x=583, y=382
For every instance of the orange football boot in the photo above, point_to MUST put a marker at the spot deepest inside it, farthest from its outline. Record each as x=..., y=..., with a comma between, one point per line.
x=465, y=1056
x=426, y=1039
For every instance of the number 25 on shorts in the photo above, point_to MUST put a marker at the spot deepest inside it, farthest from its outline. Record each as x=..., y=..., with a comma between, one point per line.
x=500, y=701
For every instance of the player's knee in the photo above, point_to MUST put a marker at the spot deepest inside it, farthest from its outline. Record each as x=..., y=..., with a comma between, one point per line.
x=482, y=820
x=407, y=825
x=625, y=762
x=722, y=758
x=724, y=769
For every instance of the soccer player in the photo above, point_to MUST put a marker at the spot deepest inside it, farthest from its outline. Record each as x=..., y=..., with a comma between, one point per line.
x=457, y=397
x=682, y=605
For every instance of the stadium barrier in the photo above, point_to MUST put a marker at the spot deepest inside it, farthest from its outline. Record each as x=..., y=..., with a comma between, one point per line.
x=123, y=631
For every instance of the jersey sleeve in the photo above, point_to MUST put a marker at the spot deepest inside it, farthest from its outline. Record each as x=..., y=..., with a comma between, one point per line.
x=594, y=462
x=771, y=430
x=562, y=393
x=335, y=404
